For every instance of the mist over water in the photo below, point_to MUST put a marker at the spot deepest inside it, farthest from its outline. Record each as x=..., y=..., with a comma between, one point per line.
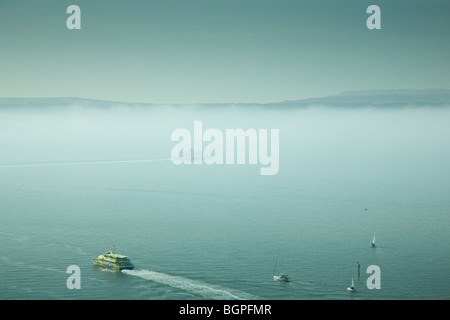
x=76, y=180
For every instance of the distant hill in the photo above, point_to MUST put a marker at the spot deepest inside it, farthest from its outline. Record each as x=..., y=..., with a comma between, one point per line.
x=367, y=98
x=386, y=98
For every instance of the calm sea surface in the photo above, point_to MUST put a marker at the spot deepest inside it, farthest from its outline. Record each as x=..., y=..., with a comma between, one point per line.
x=214, y=231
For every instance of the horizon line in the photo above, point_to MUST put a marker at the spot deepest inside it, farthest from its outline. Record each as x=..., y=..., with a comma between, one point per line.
x=229, y=103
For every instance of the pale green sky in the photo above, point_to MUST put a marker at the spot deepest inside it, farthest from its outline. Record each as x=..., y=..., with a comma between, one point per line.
x=187, y=51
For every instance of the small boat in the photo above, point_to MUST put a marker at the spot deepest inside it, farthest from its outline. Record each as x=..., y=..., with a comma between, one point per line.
x=352, y=288
x=373, y=241
x=113, y=261
x=280, y=277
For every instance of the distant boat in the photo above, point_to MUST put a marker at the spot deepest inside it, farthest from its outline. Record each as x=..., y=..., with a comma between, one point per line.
x=373, y=241
x=113, y=261
x=280, y=277
x=352, y=287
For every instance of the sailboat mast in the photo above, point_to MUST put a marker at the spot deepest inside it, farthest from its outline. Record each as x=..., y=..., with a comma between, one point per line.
x=276, y=262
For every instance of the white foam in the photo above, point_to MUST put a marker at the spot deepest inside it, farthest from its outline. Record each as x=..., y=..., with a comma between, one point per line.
x=203, y=289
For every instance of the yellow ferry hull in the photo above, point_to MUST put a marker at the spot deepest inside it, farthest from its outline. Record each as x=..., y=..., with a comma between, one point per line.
x=111, y=265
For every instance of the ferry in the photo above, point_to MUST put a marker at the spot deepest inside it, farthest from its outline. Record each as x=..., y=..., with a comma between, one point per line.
x=113, y=261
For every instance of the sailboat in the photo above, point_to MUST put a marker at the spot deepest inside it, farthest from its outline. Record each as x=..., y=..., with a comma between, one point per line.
x=373, y=241
x=352, y=288
x=280, y=277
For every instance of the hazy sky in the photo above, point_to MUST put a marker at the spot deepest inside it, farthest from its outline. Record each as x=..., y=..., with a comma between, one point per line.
x=187, y=51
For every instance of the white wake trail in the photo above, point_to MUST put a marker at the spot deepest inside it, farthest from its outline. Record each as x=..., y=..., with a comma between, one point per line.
x=203, y=289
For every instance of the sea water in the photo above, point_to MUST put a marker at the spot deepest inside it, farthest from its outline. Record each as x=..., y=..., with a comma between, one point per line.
x=72, y=185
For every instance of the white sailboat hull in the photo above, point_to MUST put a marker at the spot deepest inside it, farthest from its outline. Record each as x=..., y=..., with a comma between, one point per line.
x=282, y=278
x=352, y=288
